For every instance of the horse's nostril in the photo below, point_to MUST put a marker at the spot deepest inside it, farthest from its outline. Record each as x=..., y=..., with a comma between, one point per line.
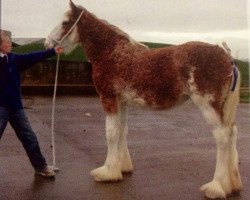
x=49, y=44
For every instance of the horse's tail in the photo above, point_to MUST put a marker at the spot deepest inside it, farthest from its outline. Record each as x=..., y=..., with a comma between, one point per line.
x=232, y=100
x=228, y=50
x=224, y=44
x=233, y=97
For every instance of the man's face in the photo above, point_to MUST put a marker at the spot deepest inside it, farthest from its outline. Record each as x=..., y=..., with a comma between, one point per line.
x=6, y=45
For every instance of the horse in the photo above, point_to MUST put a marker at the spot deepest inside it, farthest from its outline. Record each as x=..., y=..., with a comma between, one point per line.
x=126, y=72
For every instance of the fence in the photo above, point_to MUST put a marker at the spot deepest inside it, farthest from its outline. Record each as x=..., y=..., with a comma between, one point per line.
x=73, y=78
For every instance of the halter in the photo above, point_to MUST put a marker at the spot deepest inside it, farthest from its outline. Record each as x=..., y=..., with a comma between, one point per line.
x=67, y=34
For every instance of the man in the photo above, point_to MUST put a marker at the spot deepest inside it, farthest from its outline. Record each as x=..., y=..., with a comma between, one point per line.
x=11, y=107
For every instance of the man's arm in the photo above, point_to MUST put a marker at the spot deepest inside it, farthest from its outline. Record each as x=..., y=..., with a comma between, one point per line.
x=26, y=60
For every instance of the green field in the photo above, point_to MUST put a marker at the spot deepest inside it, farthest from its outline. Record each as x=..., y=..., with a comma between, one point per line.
x=79, y=56
x=76, y=55
x=244, y=70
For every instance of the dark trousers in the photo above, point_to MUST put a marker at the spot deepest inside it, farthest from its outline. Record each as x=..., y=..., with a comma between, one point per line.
x=20, y=123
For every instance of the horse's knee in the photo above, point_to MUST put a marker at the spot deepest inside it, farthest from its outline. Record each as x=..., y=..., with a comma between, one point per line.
x=222, y=136
x=112, y=128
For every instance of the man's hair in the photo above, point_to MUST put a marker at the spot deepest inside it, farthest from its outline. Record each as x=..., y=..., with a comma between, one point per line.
x=4, y=35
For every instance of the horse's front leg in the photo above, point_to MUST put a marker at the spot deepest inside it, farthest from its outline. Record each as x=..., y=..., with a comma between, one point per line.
x=127, y=165
x=111, y=170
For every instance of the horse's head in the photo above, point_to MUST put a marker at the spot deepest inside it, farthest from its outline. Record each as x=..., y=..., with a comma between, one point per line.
x=66, y=33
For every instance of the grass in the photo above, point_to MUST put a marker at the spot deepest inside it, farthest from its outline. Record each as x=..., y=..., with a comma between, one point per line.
x=156, y=45
x=78, y=56
x=244, y=70
x=245, y=97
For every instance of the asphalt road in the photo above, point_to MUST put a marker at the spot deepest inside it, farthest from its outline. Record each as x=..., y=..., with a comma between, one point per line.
x=173, y=153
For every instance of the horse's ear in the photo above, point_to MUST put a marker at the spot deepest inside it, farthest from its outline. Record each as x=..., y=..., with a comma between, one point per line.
x=72, y=5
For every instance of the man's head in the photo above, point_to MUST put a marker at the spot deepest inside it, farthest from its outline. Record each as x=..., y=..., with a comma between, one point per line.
x=5, y=42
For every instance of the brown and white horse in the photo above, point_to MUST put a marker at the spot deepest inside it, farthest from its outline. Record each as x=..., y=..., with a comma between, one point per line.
x=127, y=72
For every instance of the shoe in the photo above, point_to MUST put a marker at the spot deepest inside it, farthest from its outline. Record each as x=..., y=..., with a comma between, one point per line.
x=47, y=172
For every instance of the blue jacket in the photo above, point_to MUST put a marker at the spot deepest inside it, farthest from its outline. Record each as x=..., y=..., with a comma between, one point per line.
x=10, y=86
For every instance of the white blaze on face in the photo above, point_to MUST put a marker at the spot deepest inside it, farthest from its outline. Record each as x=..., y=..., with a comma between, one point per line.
x=70, y=42
x=58, y=33
x=54, y=36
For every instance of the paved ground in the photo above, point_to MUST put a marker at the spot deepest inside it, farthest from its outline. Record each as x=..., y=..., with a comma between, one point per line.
x=173, y=154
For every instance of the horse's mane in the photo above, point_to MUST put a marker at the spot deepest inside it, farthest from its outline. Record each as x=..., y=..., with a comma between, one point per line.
x=124, y=34
x=114, y=28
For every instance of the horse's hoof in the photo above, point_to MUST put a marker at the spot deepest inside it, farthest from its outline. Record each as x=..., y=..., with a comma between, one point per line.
x=127, y=167
x=213, y=190
x=105, y=174
x=236, y=183
x=128, y=170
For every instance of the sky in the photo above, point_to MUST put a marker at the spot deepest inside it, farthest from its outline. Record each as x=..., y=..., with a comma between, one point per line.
x=164, y=21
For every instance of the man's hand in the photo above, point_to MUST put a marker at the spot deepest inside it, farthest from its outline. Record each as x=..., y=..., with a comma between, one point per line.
x=59, y=49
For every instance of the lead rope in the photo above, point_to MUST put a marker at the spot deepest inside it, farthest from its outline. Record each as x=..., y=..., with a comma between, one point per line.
x=53, y=116
x=54, y=168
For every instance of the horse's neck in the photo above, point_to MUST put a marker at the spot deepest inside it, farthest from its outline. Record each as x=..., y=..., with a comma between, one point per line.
x=99, y=38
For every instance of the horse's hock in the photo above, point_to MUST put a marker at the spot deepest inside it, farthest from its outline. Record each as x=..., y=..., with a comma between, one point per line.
x=73, y=78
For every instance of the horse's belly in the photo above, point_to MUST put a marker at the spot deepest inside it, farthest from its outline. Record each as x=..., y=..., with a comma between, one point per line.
x=132, y=98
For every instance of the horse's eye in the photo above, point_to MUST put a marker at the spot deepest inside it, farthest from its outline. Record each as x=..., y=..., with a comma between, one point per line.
x=65, y=23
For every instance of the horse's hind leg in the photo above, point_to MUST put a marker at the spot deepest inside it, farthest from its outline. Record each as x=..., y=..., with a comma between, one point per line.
x=226, y=177
x=234, y=166
x=220, y=186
